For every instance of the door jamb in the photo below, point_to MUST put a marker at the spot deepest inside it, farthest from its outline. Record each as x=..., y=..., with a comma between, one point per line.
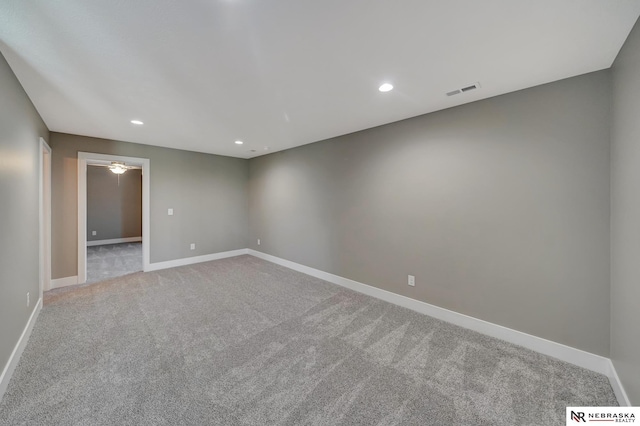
x=44, y=190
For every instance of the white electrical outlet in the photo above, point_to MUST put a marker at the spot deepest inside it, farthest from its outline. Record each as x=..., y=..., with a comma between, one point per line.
x=411, y=281
x=170, y=212
x=258, y=241
x=28, y=300
x=93, y=232
x=193, y=246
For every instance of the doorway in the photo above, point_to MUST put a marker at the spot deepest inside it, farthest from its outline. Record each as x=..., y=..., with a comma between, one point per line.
x=110, y=257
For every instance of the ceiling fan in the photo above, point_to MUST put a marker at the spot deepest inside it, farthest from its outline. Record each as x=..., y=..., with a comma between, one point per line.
x=117, y=167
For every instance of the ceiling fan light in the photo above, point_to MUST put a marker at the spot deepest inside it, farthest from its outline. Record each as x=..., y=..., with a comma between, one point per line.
x=117, y=168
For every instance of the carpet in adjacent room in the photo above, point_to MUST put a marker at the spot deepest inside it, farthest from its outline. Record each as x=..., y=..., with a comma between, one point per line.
x=113, y=260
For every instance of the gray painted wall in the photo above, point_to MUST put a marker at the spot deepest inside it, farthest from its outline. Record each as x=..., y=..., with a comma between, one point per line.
x=20, y=130
x=207, y=192
x=625, y=216
x=114, y=204
x=500, y=208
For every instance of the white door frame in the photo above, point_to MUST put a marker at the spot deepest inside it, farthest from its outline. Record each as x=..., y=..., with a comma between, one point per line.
x=83, y=158
x=44, y=191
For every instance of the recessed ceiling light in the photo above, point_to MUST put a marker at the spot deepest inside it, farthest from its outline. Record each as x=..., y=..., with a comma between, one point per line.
x=385, y=87
x=138, y=122
x=266, y=148
x=239, y=142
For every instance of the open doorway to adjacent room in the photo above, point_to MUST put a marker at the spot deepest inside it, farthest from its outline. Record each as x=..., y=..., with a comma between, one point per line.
x=114, y=220
x=112, y=216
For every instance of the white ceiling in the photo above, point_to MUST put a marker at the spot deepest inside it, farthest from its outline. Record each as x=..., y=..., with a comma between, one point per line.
x=282, y=73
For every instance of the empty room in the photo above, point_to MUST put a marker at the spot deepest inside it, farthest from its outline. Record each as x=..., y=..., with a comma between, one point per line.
x=242, y=212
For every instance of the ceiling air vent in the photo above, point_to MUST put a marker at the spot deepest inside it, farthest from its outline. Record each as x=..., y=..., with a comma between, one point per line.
x=464, y=89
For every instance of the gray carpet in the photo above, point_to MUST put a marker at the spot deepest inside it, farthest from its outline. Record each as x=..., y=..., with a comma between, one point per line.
x=113, y=260
x=241, y=341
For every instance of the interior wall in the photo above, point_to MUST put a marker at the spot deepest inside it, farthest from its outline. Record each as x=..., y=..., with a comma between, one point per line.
x=20, y=130
x=625, y=216
x=500, y=208
x=208, y=194
x=114, y=204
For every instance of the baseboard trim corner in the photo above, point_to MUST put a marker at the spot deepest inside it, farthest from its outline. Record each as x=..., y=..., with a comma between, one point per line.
x=616, y=385
x=63, y=282
x=12, y=363
x=114, y=241
x=578, y=357
x=196, y=259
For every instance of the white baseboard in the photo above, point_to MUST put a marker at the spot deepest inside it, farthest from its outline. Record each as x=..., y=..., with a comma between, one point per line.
x=114, y=241
x=196, y=259
x=616, y=384
x=578, y=357
x=63, y=282
x=18, y=349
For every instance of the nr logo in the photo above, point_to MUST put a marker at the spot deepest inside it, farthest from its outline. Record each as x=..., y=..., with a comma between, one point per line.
x=576, y=417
